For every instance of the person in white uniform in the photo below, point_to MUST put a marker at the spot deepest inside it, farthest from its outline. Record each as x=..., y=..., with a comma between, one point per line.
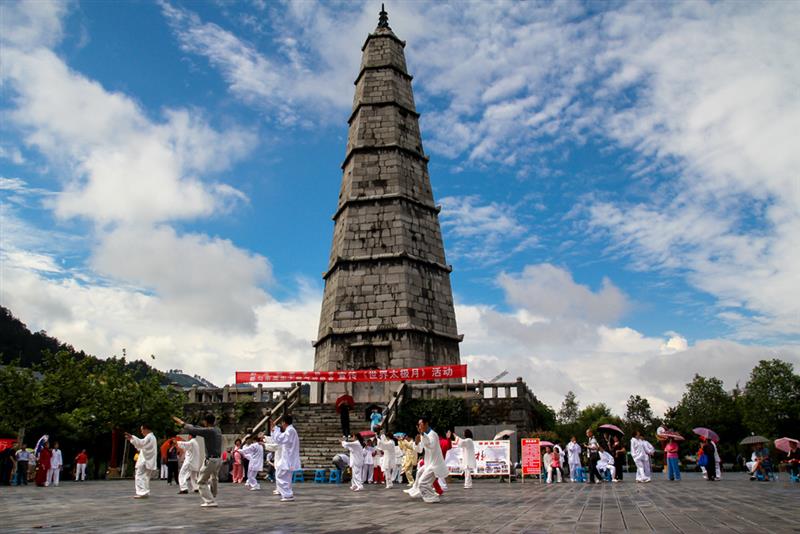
x=275, y=448
x=254, y=452
x=146, y=464
x=574, y=452
x=191, y=465
x=286, y=436
x=56, y=461
x=468, y=463
x=434, y=463
x=606, y=464
x=398, y=462
x=641, y=451
x=368, y=471
x=388, y=460
x=355, y=447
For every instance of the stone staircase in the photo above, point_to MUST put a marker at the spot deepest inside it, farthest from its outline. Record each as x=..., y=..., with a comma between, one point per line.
x=321, y=433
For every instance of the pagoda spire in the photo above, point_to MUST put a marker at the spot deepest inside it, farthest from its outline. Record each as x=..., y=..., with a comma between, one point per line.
x=383, y=18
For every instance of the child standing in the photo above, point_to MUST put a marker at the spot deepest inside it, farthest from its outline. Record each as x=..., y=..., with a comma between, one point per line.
x=254, y=452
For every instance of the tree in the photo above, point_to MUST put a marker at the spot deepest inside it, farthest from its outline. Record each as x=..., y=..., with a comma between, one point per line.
x=770, y=401
x=568, y=413
x=639, y=414
x=21, y=399
x=706, y=403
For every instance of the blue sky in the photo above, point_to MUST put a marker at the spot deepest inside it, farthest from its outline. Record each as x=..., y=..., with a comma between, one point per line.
x=619, y=183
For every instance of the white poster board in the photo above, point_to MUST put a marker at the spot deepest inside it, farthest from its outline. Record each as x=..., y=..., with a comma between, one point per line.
x=492, y=458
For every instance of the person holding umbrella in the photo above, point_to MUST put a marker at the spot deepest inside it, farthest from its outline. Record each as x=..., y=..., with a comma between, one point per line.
x=673, y=460
x=344, y=404
x=708, y=435
x=790, y=447
x=710, y=452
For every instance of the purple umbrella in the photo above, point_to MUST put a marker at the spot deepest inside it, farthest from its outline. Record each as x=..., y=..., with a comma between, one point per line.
x=614, y=428
x=706, y=433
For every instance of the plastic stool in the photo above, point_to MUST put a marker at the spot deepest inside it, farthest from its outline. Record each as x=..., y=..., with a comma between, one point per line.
x=336, y=477
x=607, y=475
x=297, y=476
x=319, y=476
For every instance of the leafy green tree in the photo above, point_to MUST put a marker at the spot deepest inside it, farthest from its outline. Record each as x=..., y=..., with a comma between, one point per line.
x=21, y=399
x=639, y=414
x=706, y=403
x=568, y=413
x=770, y=401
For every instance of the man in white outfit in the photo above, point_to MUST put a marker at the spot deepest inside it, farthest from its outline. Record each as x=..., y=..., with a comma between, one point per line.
x=641, y=451
x=574, y=452
x=434, y=463
x=356, y=449
x=388, y=460
x=56, y=461
x=286, y=436
x=191, y=465
x=146, y=463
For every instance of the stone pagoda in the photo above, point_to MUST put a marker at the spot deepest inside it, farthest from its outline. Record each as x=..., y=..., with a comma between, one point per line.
x=387, y=300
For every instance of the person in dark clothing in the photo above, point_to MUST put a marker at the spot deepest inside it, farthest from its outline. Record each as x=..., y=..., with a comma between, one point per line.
x=344, y=417
x=172, y=462
x=708, y=452
x=594, y=456
x=6, y=465
x=619, y=453
x=209, y=473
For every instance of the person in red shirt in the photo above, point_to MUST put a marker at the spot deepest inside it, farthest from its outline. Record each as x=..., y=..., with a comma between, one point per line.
x=43, y=465
x=80, y=465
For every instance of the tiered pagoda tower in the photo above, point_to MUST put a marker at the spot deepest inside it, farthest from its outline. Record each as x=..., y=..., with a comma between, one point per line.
x=388, y=301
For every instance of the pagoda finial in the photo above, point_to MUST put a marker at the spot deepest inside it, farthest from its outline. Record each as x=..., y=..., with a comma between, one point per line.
x=383, y=18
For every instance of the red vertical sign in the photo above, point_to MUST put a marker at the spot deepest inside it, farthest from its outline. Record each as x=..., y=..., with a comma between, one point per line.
x=531, y=457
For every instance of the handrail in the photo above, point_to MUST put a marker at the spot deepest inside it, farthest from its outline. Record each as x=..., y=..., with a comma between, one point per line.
x=279, y=410
x=390, y=413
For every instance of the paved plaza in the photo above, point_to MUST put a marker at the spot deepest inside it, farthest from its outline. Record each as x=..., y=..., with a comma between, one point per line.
x=693, y=505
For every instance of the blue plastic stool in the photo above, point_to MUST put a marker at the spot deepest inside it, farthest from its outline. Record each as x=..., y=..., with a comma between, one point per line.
x=319, y=476
x=336, y=477
x=297, y=476
x=607, y=475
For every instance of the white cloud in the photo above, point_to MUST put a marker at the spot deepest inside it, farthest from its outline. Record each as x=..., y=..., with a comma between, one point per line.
x=32, y=23
x=573, y=345
x=549, y=291
x=103, y=319
x=483, y=233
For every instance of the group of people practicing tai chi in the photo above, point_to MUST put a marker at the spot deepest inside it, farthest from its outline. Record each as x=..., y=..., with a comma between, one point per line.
x=203, y=475
x=431, y=470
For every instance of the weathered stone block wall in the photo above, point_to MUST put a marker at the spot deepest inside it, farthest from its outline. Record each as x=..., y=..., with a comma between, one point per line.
x=388, y=294
x=395, y=226
x=386, y=172
x=387, y=85
x=382, y=52
x=384, y=126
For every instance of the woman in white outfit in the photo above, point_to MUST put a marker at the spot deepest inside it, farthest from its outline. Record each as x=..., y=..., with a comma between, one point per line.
x=641, y=451
x=356, y=449
x=574, y=452
x=388, y=460
x=467, y=456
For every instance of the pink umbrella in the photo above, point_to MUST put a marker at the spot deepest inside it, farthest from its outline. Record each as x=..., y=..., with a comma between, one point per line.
x=706, y=433
x=673, y=435
x=783, y=444
x=615, y=428
x=545, y=444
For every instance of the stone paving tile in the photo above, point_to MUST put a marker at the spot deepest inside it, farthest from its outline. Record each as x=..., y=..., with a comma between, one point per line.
x=691, y=506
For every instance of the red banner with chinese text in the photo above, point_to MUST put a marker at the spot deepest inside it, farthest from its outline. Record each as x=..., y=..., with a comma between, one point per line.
x=436, y=372
x=531, y=457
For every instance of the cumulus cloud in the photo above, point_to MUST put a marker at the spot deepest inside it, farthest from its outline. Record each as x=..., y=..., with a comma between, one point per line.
x=576, y=343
